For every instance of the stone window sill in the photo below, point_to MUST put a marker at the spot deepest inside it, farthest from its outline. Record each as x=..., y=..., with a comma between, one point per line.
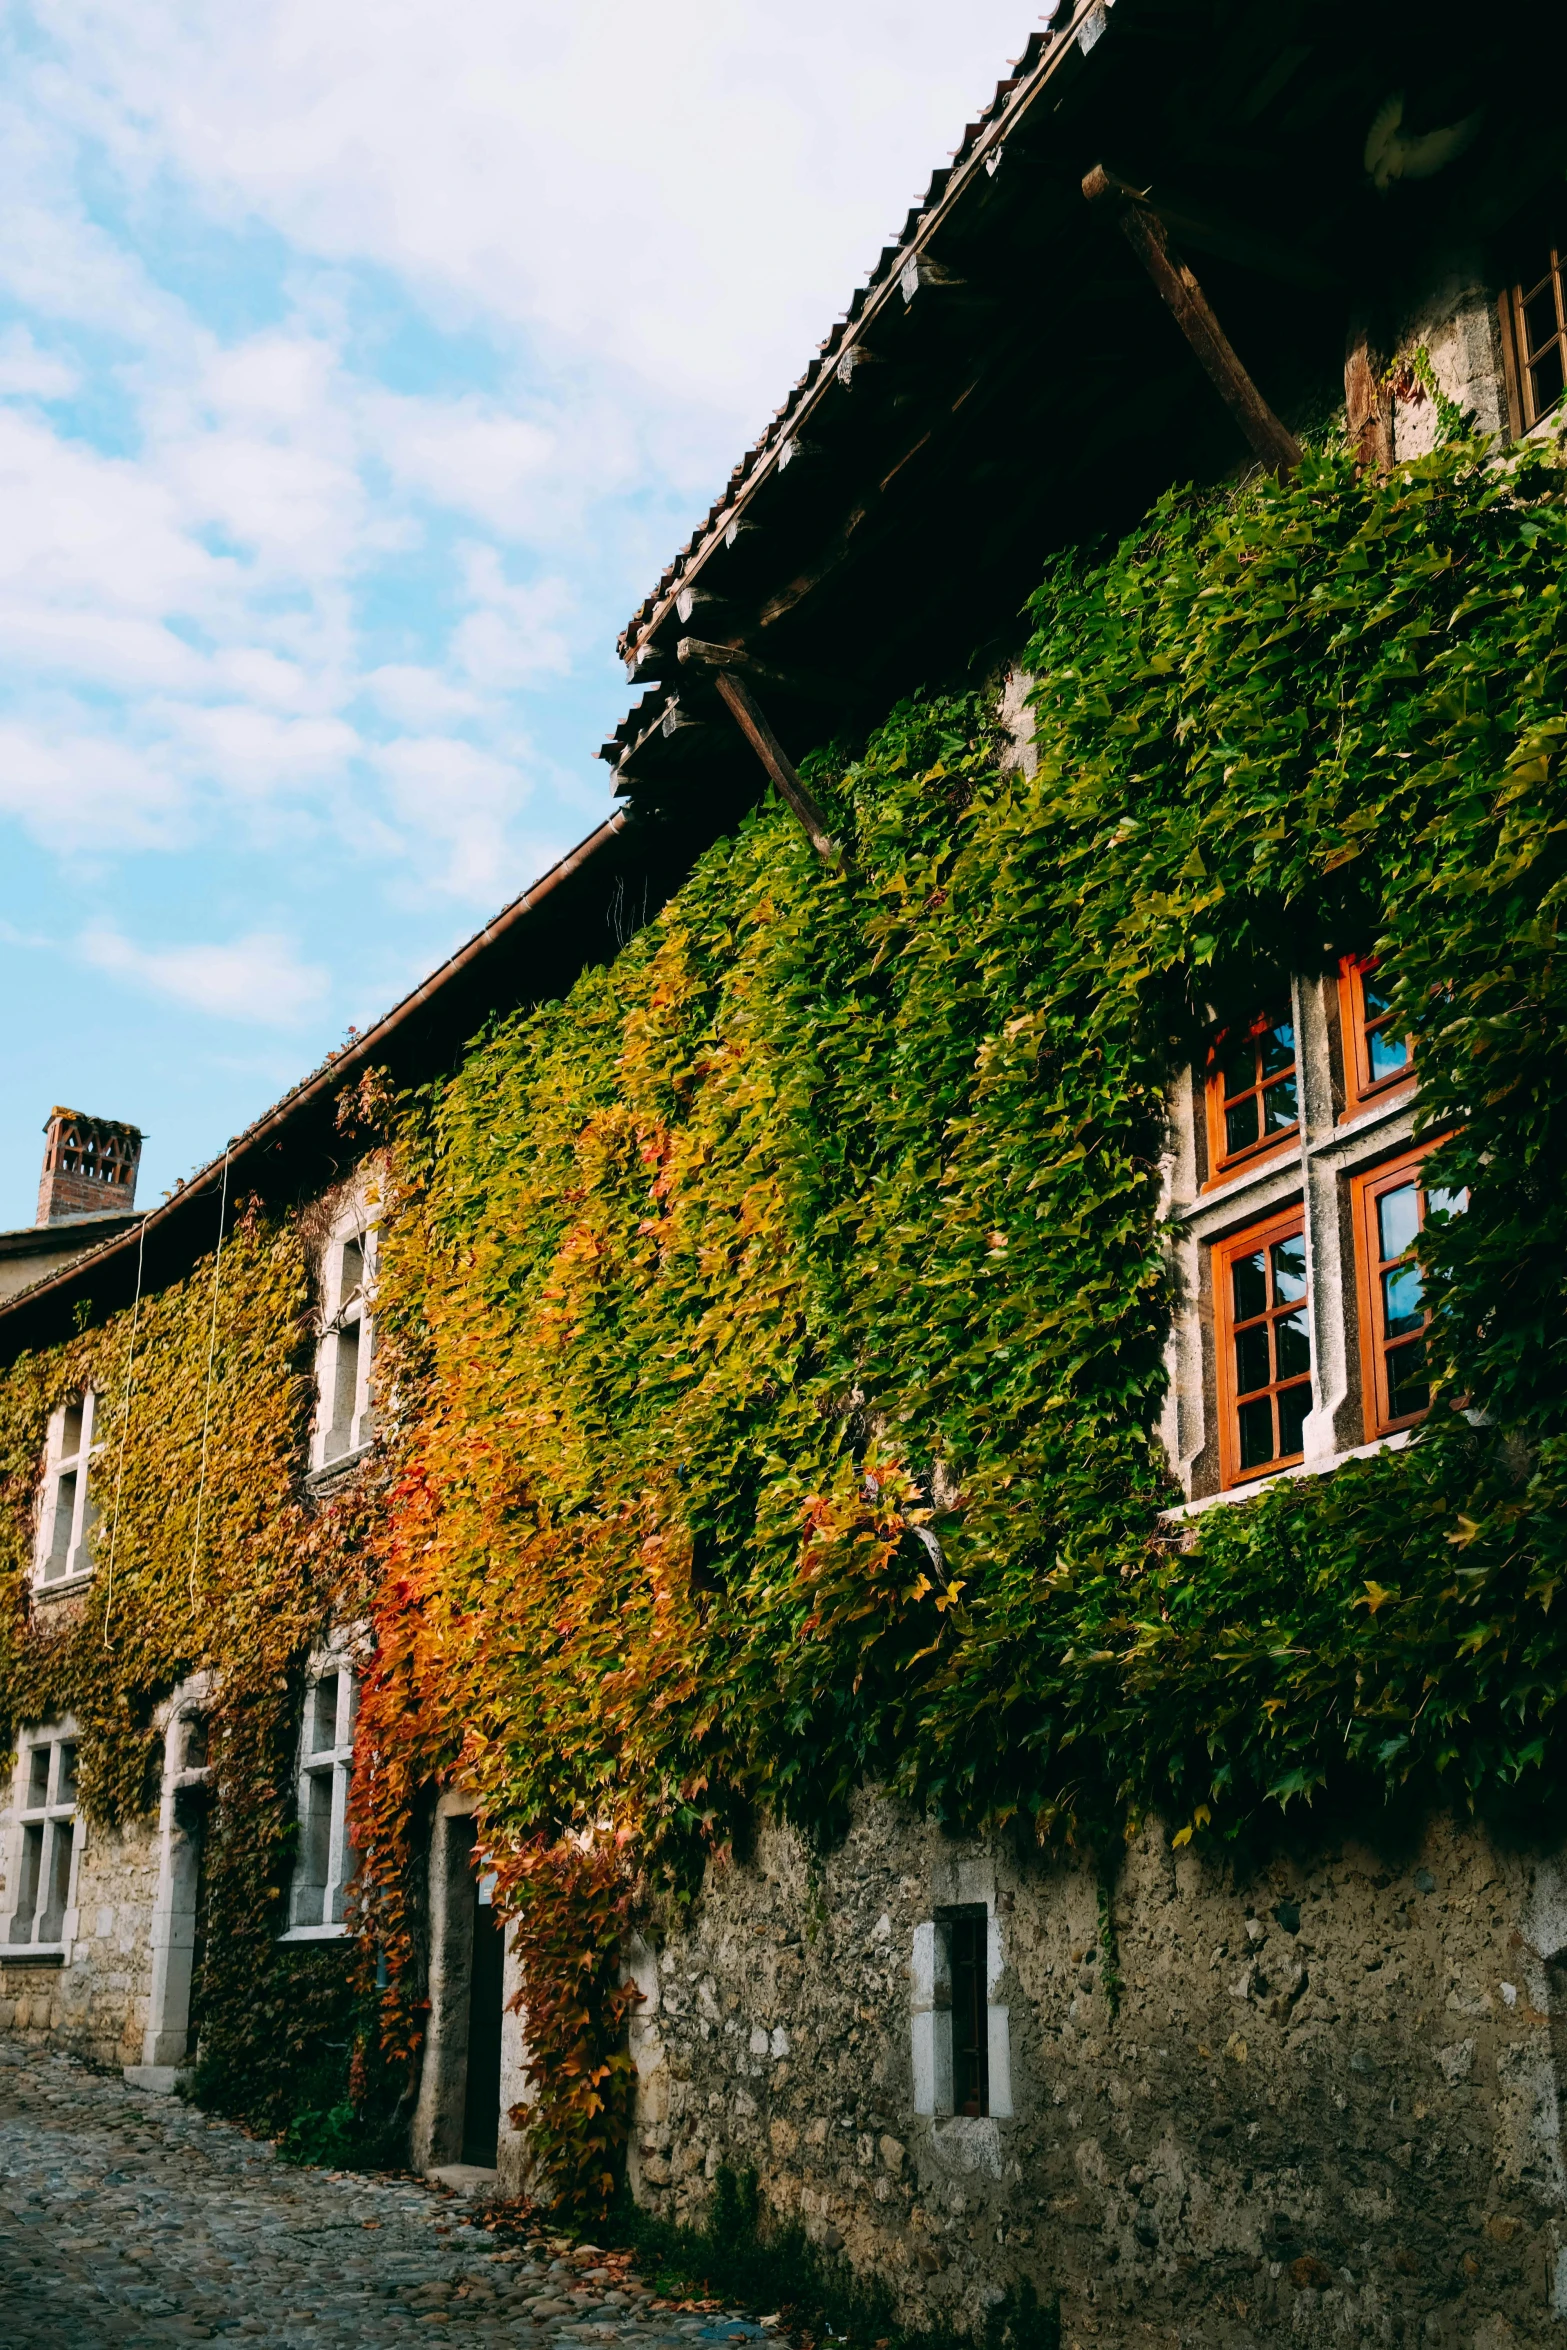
x=1388, y=1112
x=314, y=1934
x=1209, y=1206
x=1280, y=1166
x=32, y=1954
x=1318, y=1468
x=64, y=1586
x=324, y=1471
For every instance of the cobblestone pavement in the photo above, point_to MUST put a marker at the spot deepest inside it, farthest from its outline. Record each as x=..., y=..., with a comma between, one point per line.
x=130, y=2220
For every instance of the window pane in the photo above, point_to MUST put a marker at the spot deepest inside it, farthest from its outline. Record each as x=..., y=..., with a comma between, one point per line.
x=1546, y=377
x=38, y=1778
x=1294, y=1404
x=315, y=1848
x=345, y=1391
x=1280, y=1109
x=1375, y=996
x=1289, y=1269
x=1398, y=1219
x=194, y=1732
x=51, y=1926
x=1276, y=1047
x=60, y=1533
x=1389, y=1053
x=1256, y=1433
x=1408, y=1388
x=967, y=1966
x=1403, y=1308
x=1249, y=1286
x=65, y=1776
x=353, y=1271
x=1238, y=1064
x=1251, y=1359
x=322, y=1718
x=1292, y=1342
x=1240, y=1125
x=1447, y=1203
x=71, y=1434
x=27, y=1887
x=349, y=1865
x=1540, y=317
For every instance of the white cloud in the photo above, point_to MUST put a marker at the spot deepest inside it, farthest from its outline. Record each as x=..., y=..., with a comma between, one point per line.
x=511, y=636
x=462, y=800
x=668, y=189
x=85, y=531
x=258, y=978
x=253, y=753
x=418, y=697
x=465, y=454
x=78, y=791
x=27, y=373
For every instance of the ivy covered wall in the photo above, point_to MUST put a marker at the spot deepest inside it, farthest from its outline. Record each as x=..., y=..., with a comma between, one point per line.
x=836, y=1198
x=776, y=1325
x=208, y=1556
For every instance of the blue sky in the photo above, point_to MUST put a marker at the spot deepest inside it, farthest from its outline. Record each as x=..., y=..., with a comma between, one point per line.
x=362, y=363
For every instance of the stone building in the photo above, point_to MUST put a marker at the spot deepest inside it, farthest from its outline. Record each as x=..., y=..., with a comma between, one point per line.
x=1312, y=2094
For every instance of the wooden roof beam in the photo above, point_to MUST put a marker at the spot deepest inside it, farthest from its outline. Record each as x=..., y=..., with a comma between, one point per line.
x=1273, y=443
x=734, y=661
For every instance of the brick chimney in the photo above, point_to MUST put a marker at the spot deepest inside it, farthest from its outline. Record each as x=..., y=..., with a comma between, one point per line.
x=89, y=1167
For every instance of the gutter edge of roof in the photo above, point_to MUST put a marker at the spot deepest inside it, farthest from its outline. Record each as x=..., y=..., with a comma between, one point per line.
x=997, y=119
x=332, y=1074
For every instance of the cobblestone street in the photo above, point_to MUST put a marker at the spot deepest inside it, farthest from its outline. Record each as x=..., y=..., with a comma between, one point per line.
x=131, y=2219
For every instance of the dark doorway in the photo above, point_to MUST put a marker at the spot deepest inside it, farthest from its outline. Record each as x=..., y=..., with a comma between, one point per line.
x=191, y=1806
x=481, y=2113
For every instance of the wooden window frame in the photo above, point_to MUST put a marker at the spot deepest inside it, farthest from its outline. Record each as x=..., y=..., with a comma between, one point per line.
x=1527, y=412
x=1366, y=1189
x=1362, y=1090
x=1223, y=1164
x=1285, y=1224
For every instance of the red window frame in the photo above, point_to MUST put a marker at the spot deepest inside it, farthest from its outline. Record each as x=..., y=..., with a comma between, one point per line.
x=1386, y=1381
x=1223, y=1161
x=1232, y=1325
x=1360, y=1026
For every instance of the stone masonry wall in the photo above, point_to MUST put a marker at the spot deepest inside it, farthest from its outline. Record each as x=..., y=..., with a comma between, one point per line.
x=95, y=2005
x=1324, y=2108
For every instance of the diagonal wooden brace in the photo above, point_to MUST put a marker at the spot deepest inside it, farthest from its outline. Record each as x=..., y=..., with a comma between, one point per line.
x=770, y=751
x=1145, y=232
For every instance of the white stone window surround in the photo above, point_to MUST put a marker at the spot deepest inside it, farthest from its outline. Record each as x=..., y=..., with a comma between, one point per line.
x=42, y=1848
x=186, y=1792
x=345, y=1412
x=1313, y=1175
x=324, y=1860
x=930, y=2004
x=62, y=1557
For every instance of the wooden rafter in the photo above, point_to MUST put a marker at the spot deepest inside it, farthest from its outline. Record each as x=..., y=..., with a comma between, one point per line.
x=1145, y=232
